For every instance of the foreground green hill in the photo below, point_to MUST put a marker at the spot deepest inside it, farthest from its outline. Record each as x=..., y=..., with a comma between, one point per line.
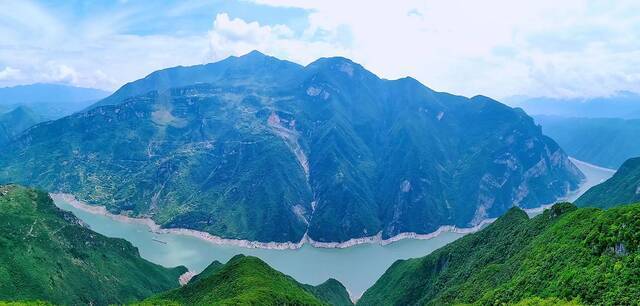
x=246, y=280
x=47, y=254
x=622, y=188
x=262, y=149
x=587, y=255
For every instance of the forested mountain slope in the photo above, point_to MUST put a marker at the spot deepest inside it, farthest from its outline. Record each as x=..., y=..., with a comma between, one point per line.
x=586, y=255
x=48, y=254
x=267, y=150
x=246, y=280
x=622, y=188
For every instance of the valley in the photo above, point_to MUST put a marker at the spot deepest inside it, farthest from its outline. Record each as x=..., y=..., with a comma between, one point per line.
x=257, y=148
x=319, y=153
x=357, y=267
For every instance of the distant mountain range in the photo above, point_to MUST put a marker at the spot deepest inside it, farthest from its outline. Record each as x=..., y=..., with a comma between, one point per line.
x=625, y=105
x=15, y=121
x=50, y=255
x=606, y=142
x=262, y=149
x=49, y=101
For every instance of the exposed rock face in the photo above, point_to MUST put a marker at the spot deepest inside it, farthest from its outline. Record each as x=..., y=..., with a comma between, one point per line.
x=269, y=150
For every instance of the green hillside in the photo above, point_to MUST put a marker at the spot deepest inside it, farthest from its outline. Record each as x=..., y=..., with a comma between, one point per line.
x=622, y=188
x=267, y=150
x=48, y=255
x=246, y=280
x=584, y=255
x=331, y=292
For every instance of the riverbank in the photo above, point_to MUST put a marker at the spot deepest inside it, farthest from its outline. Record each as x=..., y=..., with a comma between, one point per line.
x=578, y=162
x=591, y=180
x=156, y=228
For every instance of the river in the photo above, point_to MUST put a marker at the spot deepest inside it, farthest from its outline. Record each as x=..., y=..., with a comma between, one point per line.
x=357, y=267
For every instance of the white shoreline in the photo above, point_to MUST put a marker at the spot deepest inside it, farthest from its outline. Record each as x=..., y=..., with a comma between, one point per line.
x=376, y=239
x=101, y=210
x=573, y=160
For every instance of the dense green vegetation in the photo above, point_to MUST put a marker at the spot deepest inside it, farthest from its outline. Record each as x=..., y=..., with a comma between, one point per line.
x=25, y=303
x=246, y=280
x=623, y=104
x=536, y=301
x=622, y=188
x=606, y=142
x=331, y=292
x=47, y=254
x=208, y=271
x=584, y=255
x=269, y=150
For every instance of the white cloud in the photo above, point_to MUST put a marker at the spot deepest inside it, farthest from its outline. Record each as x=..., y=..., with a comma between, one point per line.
x=235, y=36
x=9, y=73
x=91, y=52
x=497, y=48
x=494, y=47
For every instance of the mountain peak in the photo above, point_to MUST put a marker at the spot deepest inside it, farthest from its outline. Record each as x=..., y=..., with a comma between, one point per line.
x=254, y=53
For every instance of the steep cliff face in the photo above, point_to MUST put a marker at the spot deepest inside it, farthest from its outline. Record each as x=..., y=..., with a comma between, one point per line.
x=268, y=150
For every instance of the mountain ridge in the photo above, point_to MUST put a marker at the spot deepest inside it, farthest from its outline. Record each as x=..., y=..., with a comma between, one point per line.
x=347, y=154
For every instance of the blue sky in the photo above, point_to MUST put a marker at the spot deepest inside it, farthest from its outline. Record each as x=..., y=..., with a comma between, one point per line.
x=571, y=48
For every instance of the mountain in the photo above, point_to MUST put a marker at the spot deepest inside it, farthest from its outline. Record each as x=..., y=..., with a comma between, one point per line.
x=14, y=122
x=253, y=68
x=331, y=292
x=274, y=151
x=584, y=255
x=622, y=188
x=49, y=255
x=247, y=280
x=624, y=105
x=606, y=142
x=50, y=101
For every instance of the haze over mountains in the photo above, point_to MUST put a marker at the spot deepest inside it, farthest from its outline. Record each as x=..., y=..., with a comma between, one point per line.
x=606, y=142
x=623, y=104
x=600, y=130
x=14, y=122
x=49, y=101
x=257, y=148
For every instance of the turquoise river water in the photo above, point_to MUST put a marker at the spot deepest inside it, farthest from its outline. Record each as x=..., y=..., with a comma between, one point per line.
x=357, y=267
